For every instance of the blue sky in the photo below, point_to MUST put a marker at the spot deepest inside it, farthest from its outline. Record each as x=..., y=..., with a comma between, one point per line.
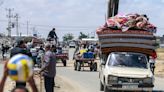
x=73, y=16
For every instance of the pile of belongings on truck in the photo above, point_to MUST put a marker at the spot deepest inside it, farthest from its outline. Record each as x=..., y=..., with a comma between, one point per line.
x=130, y=21
x=131, y=32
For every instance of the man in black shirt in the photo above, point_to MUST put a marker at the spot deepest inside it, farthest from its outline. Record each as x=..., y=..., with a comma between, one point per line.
x=52, y=35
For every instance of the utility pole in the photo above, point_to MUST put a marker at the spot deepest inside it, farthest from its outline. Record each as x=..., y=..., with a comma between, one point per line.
x=27, y=27
x=35, y=32
x=113, y=7
x=1, y=3
x=17, y=23
x=9, y=16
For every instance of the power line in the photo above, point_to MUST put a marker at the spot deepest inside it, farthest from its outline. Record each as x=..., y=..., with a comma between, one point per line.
x=50, y=26
x=60, y=26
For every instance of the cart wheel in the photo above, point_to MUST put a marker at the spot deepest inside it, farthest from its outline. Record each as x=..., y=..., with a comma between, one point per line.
x=95, y=66
x=64, y=62
x=78, y=66
x=75, y=66
x=91, y=68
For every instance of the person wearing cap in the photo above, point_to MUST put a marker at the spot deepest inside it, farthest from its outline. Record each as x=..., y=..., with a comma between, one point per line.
x=49, y=68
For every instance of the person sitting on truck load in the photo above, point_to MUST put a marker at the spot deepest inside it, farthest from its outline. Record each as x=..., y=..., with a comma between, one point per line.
x=52, y=35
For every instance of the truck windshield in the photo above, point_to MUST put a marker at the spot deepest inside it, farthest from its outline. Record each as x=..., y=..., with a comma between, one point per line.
x=128, y=60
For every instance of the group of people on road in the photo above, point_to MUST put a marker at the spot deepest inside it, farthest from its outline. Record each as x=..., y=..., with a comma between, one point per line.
x=48, y=69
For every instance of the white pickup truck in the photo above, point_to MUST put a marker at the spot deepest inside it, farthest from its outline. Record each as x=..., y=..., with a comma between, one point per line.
x=125, y=71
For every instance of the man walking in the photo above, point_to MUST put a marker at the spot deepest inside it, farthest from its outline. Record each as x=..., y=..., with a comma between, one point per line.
x=49, y=69
x=3, y=51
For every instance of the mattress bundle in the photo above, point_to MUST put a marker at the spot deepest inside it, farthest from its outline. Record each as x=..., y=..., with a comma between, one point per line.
x=131, y=32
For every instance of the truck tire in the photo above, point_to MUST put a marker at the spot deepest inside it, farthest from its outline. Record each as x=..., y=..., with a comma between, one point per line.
x=101, y=86
x=95, y=66
x=78, y=66
x=91, y=66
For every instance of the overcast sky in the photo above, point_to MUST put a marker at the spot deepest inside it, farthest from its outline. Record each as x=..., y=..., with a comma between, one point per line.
x=73, y=16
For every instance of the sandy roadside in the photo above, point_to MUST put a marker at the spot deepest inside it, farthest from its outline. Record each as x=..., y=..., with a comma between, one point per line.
x=67, y=85
x=159, y=68
x=62, y=85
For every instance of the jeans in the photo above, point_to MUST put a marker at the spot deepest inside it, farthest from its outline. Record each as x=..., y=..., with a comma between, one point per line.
x=49, y=83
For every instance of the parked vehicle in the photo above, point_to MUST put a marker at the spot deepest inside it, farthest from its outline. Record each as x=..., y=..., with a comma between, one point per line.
x=62, y=55
x=72, y=45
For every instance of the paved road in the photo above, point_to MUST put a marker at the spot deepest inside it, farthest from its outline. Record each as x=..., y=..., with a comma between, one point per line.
x=87, y=80
x=1, y=70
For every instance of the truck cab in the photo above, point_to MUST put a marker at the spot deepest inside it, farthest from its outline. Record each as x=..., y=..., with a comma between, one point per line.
x=125, y=71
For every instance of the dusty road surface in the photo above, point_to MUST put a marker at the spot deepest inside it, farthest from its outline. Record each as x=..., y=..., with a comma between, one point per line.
x=62, y=84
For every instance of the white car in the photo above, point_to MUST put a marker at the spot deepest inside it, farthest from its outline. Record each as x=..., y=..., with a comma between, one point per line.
x=125, y=71
x=72, y=45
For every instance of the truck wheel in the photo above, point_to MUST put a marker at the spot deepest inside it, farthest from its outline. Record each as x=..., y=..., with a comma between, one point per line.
x=106, y=88
x=95, y=66
x=91, y=67
x=78, y=66
x=101, y=86
x=64, y=62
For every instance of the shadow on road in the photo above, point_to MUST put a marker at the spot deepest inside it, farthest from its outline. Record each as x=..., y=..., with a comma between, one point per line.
x=87, y=71
x=62, y=66
x=158, y=90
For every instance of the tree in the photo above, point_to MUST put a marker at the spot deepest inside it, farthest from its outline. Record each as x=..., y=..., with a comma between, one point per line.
x=68, y=37
x=82, y=35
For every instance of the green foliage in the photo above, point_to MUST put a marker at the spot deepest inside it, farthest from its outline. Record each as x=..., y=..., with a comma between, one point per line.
x=82, y=35
x=68, y=37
